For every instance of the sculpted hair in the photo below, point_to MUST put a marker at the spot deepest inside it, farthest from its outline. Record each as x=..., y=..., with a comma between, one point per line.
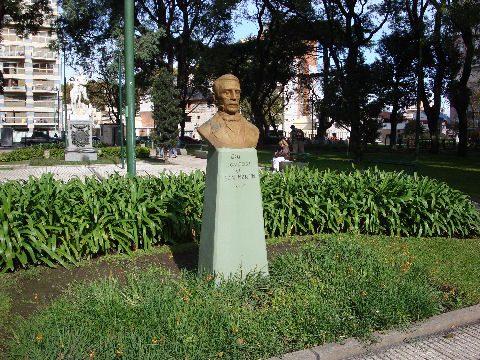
x=217, y=82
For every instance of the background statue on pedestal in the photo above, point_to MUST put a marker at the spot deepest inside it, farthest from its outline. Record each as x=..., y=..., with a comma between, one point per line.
x=78, y=92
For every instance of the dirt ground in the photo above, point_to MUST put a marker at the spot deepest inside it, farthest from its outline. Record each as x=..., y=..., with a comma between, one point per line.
x=34, y=289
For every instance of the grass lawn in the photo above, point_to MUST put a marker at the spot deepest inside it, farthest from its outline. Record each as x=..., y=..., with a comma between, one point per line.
x=379, y=282
x=460, y=173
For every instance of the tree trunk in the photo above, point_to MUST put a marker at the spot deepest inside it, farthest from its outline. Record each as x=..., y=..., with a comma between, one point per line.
x=259, y=120
x=462, y=133
x=393, y=127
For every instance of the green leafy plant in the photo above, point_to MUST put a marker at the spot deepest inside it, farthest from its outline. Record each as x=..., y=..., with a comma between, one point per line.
x=49, y=221
x=303, y=201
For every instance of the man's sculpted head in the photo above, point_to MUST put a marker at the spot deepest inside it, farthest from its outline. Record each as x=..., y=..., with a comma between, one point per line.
x=226, y=92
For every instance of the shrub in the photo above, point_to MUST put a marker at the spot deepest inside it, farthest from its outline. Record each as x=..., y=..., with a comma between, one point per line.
x=22, y=154
x=142, y=152
x=46, y=220
x=57, y=152
x=111, y=152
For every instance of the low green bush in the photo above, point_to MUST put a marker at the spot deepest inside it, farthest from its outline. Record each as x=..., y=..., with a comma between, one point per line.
x=22, y=154
x=157, y=316
x=140, y=152
x=47, y=221
x=57, y=152
x=56, y=145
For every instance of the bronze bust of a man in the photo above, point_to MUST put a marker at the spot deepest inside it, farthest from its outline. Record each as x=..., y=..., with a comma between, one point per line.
x=227, y=128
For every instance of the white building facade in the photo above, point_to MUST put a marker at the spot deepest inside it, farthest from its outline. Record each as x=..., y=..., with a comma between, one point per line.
x=32, y=72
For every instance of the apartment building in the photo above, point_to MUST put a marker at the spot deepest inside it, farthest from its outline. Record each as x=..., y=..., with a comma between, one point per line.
x=32, y=71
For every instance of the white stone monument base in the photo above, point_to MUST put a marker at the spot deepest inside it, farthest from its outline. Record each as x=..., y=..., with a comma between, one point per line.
x=81, y=155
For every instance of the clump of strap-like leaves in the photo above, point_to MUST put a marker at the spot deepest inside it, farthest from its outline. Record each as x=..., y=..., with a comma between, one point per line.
x=50, y=221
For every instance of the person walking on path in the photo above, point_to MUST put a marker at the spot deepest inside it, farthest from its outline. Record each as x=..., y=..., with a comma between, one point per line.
x=297, y=139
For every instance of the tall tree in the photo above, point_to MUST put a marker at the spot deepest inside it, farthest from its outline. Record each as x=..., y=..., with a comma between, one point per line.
x=166, y=112
x=463, y=20
x=396, y=70
x=352, y=24
x=434, y=61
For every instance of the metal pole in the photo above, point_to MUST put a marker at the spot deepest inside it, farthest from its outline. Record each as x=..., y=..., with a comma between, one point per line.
x=130, y=86
x=120, y=110
x=65, y=99
x=419, y=87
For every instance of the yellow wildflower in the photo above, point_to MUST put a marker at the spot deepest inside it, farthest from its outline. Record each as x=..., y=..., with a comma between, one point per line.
x=220, y=354
x=39, y=337
x=92, y=354
x=364, y=293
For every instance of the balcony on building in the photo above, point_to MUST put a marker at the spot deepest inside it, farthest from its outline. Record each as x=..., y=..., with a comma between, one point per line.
x=42, y=119
x=14, y=100
x=12, y=52
x=18, y=118
x=44, y=54
x=45, y=86
x=44, y=101
x=15, y=86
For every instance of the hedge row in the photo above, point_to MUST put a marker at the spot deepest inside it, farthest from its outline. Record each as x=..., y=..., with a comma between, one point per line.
x=36, y=152
x=47, y=221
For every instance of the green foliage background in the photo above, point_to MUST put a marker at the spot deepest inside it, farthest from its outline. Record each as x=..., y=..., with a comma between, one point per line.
x=47, y=221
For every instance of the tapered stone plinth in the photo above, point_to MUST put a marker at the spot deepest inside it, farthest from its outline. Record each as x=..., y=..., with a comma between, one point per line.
x=232, y=240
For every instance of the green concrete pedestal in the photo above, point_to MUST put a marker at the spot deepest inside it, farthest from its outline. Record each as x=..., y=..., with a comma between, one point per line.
x=232, y=240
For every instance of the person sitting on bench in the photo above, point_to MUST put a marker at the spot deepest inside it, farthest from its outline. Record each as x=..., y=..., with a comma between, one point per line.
x=282, y=154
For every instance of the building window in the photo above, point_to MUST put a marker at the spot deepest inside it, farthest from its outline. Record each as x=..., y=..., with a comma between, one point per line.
x=15, y=84
x=42, y=37
x=188, y=119
x=44, y=53
x=43, y=68
x=13, y=68
x=9, y=34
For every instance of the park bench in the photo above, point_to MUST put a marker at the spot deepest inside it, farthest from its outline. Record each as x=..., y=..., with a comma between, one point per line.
x=202, y=153
x=287, y=163
x=299, y=156
x=393, y=162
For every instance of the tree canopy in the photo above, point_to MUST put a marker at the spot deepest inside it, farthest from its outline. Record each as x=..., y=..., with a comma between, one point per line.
x=423, y=44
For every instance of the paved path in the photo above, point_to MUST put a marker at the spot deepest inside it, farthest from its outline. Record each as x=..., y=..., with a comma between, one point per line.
x=454, y=335
x=182, y=163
